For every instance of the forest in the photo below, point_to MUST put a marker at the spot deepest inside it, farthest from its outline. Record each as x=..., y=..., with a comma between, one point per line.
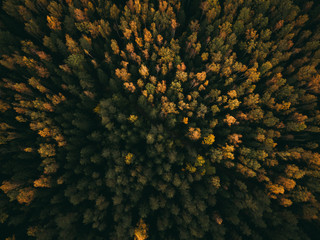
x=159, y=120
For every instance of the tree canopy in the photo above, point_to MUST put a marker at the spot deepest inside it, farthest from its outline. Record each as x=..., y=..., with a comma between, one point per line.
x=173, y=119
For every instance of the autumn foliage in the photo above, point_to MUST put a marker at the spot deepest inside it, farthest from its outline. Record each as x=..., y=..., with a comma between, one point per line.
x=170, y=119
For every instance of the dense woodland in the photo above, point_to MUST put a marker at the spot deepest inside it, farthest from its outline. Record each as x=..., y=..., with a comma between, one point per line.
x=176, y=119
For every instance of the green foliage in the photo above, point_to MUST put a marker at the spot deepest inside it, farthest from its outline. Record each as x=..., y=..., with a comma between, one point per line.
x=159, y=119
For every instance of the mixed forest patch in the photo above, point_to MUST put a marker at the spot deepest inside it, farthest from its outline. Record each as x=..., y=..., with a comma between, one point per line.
x=176, y=119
